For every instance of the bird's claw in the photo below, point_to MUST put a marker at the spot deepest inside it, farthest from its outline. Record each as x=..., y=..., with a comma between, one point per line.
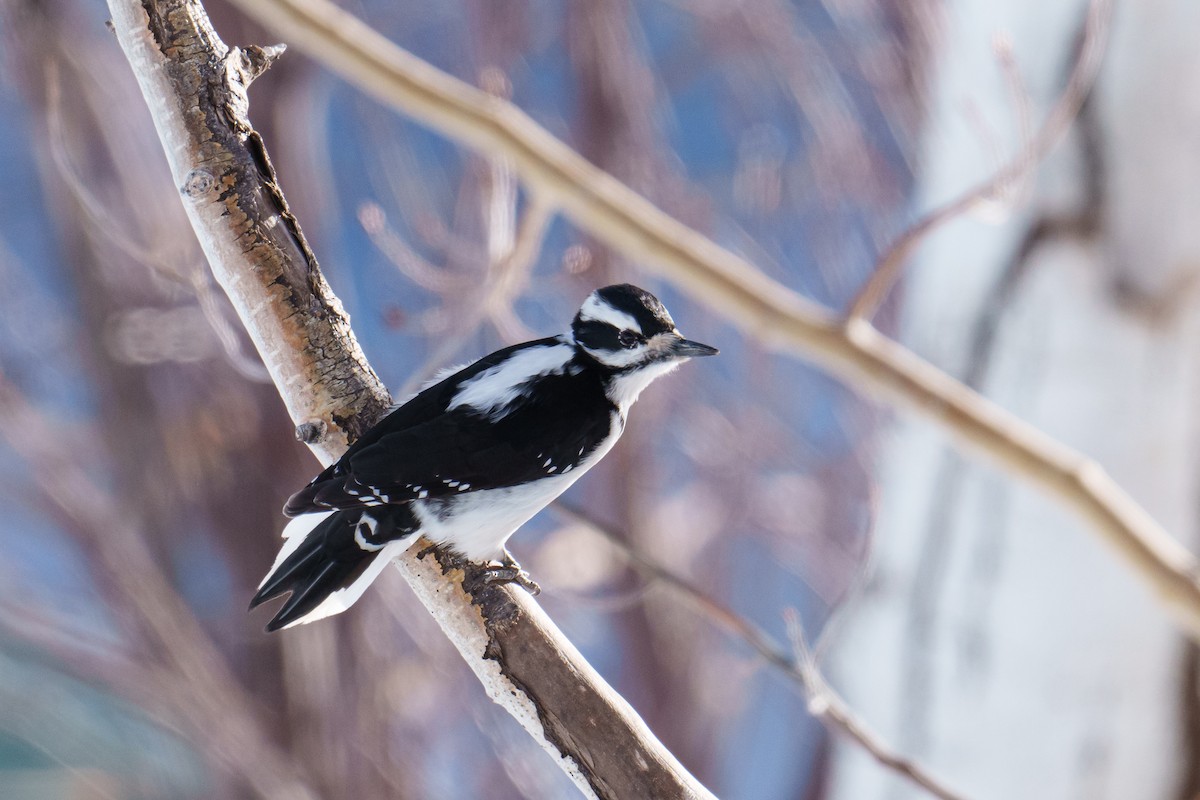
x=507, y=570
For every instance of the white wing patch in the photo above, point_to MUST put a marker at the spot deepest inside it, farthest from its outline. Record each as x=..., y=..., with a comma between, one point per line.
x=441, y=375
x=493, y=390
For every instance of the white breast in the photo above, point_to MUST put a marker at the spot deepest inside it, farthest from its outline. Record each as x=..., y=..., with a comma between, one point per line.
x=477, y=524
x=625, y=389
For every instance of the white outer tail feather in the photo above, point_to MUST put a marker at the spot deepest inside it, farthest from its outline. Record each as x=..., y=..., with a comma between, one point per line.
x=342, y=599
x=294, y=535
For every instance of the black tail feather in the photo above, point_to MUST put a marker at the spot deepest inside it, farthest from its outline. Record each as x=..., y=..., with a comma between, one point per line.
x=330, y=558
x=330, y=577
x=281, y=580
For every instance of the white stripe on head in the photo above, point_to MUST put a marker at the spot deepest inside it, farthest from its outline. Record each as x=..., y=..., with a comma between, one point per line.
x=656, y=348
x=618, y=359
x=596, y=309
x=491, y=391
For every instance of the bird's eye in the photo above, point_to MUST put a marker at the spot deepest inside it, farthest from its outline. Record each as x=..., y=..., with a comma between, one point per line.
x=629, y=339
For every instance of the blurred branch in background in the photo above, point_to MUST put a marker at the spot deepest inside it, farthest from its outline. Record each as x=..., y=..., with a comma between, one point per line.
x=771, y=126
x=799, y=663
x=195, y=87
x=1000, y=187
x=732, y=287
x=825, y=704
x=492, y=300
x=190, y=679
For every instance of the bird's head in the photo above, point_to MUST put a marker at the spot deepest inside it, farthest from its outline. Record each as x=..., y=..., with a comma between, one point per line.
x=627, y=329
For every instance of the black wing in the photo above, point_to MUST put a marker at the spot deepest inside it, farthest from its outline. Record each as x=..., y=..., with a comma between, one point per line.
x=422, y=450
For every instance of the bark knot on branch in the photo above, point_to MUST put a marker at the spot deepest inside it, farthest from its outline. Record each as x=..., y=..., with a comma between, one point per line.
x=195, y=87
x=495, y=604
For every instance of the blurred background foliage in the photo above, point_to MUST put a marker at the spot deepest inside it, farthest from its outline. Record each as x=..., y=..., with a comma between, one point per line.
x=145, y=456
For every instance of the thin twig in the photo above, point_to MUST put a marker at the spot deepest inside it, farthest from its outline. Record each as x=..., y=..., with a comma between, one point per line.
x=832, y=710
x=854, y=351
x=258, y=253
x=720, y=614
x=1083, y=75
x=504, y=282
x=156, y=259
x=246, y=364
x=798, y=664
x=204, y=693
x=375, y=224
x=1019, y=95
x=514, y=268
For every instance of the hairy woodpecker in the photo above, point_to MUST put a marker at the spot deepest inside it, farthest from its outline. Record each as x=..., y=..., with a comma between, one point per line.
x=471, y=458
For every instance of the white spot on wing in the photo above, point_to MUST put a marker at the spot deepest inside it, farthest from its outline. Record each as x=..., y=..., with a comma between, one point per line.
x=370, y=524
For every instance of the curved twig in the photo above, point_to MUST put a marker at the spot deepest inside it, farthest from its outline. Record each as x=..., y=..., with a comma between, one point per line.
x=1083, y=75
x=195, y=87
x=799, y=664
x=735, y=289
x=826, y=705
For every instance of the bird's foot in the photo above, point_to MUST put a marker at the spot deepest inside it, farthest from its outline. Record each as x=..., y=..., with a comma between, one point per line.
x=477, y=576
x=507, y=570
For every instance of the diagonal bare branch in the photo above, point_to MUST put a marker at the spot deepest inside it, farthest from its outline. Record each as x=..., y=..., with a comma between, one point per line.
x=852, y=350
x=798, y=665
x=1079, y=83
x=199, y=686
x=195, y=87
x=827, y=706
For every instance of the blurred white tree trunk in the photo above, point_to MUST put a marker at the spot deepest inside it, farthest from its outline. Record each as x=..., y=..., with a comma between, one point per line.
x=996, y=641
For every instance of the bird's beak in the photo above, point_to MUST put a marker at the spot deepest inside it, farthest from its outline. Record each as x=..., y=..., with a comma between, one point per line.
x=686, y=348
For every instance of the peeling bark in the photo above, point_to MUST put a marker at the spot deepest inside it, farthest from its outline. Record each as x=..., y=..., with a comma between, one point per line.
x=196, y=89
x=253, y=241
